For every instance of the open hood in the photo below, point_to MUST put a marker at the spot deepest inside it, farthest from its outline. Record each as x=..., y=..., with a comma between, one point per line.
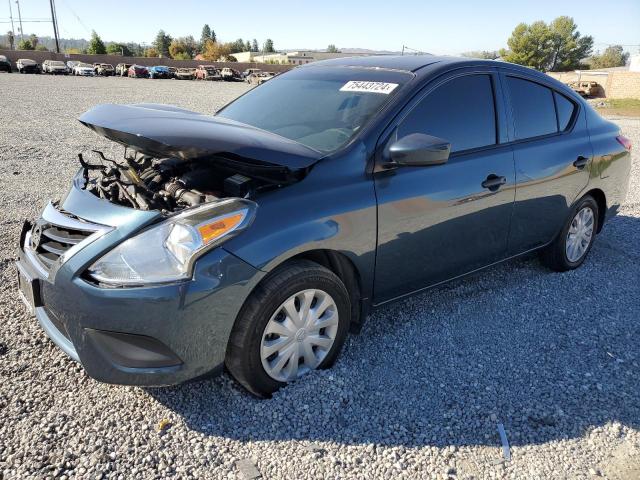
x=166, y=131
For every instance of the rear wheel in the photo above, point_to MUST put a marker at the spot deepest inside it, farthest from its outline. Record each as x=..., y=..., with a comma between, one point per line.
x=294, y=322
x=570, y=248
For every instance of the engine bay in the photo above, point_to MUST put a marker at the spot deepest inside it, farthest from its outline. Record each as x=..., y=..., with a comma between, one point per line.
x=167, y=184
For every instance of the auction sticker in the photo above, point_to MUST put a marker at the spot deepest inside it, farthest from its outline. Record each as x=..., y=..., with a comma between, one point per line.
x=369, y=87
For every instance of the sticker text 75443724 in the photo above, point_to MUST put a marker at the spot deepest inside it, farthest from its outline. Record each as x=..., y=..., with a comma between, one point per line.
x=368, y=87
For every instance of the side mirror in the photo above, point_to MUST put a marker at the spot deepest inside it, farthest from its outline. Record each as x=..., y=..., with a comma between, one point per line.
x=419, y=149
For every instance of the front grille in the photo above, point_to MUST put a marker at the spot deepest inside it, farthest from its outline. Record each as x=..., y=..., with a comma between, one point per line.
x=57, y=235
x=55, y=240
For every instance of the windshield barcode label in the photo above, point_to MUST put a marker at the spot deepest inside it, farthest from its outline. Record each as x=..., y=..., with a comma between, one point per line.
x=370, y=87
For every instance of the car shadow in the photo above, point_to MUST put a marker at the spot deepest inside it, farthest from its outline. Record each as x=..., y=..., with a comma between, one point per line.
x=549, y=355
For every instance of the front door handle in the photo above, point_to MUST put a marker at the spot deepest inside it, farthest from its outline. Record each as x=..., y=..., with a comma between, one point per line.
x=494, y=182
x=581, y=162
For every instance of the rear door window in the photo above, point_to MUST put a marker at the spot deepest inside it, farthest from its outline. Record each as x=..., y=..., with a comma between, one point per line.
x=462, y=111
x=533, y=108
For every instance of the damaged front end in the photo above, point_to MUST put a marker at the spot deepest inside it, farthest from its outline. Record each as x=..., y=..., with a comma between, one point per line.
x=176, y=159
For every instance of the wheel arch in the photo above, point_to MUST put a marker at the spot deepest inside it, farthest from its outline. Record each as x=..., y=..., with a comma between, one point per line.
x=601, y=199
x=345, y=269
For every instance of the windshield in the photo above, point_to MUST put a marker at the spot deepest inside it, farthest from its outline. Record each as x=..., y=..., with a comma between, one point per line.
x=57, y=64
x=322, y=108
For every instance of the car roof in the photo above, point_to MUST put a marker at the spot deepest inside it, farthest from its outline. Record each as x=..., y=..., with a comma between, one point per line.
x=425, y=65
x=409, y=63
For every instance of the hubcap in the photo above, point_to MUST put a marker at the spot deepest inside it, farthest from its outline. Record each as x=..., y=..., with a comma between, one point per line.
x=579, y=235
x=299, y=335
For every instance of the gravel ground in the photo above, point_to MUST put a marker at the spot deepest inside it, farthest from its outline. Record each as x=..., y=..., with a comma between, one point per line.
x=553, y=357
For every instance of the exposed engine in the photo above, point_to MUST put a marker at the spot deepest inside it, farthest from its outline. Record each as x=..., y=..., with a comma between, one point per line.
x=167, y=184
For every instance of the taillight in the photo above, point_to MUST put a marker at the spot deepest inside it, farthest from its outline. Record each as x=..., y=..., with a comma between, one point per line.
x=624, y=141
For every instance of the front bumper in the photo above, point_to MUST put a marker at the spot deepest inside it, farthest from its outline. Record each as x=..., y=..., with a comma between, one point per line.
x=131, y=335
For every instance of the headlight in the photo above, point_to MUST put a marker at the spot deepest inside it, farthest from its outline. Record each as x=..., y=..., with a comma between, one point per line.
x=166, y=252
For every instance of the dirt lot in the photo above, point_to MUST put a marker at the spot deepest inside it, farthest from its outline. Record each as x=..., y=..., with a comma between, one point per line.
x=419, y=394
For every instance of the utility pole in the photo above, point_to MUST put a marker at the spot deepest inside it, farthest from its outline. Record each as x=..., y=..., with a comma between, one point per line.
x=20, y=21
x=13, y=29
x=55, y=25
x=402, y=50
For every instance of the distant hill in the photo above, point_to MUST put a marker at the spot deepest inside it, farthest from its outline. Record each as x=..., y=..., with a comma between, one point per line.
x=358, y=51
x=50, y=43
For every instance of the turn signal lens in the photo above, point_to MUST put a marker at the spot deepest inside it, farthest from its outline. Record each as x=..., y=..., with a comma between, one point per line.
x=214, y=230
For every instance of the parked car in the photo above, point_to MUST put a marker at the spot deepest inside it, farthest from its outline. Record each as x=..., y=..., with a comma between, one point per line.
x=159, y=71
x=249, y=71
x=138, y=71
x=5, y=64
x=172, y=72
x=104, y=69
x=186, y=73
x=54, y=67
x=70, y=65
x=259, y=78
x=259, y=237
x=26, y=65
x=586, y=89
x=207, y=72
x=122, y=69
x=84, y=70
x=230, y=75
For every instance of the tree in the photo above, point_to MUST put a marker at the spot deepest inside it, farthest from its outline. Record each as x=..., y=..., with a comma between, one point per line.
x=42, y=48
x=34, y=40
x=119, y=49
x=183, y=48
x=25, y=45
x=247, y=46
x=162, y=42
x=151, y=52
x=332, y=49
x=73, y=51
x=207, y=34
x=215, y=51
x=254, y=45
x=238, y=45
x=568, y=47
x=613, y=56
x=557, y=46
x=96, y=45
x=484, y=54
x=268, y=46
x=135, y=49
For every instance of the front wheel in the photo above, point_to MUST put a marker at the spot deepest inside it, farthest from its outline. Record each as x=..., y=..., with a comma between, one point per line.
x=295, y=321
x=571, y=246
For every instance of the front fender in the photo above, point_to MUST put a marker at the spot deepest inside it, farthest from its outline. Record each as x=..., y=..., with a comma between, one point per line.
x=322, y=212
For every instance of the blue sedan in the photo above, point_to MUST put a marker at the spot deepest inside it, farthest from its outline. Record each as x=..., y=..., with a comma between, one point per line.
x=159, y=71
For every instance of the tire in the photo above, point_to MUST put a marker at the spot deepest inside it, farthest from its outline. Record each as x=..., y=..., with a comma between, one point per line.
x=558, y=255
x=301, y=277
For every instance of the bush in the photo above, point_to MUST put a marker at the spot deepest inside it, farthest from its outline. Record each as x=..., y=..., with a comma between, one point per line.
x=25, y=45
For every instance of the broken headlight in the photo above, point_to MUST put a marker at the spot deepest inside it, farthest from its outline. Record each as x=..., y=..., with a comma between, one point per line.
x=166, y=252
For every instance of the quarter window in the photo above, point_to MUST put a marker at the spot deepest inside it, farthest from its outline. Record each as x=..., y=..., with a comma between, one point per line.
x=462, y=111
x=533, y=108
x=565, y=108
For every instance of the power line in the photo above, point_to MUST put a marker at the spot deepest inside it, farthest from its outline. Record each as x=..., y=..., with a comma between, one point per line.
x=89, y=30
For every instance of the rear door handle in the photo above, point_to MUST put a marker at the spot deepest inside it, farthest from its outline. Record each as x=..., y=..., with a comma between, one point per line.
x=581, y=162
x=494, y=182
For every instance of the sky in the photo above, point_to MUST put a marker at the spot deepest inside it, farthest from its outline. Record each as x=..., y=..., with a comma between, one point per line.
x=443, y=27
